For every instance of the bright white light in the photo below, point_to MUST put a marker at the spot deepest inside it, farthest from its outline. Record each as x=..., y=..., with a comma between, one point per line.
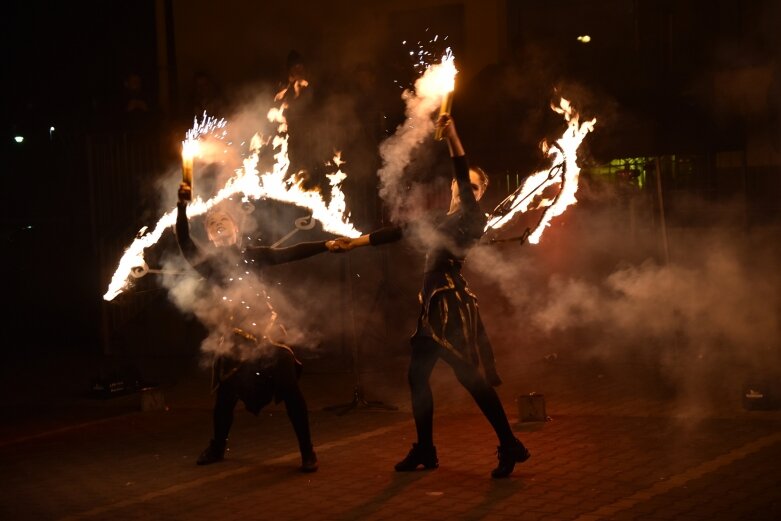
x=18, y=139
x=584, y=39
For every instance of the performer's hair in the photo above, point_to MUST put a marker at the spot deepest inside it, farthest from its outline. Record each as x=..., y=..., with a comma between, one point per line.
x=484, y=179
x=220, y=208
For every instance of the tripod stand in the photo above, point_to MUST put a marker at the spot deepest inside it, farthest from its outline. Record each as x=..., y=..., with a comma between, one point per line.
x=359, y=400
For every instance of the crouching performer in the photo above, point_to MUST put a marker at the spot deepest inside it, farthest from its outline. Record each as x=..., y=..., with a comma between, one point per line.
x=251, y=362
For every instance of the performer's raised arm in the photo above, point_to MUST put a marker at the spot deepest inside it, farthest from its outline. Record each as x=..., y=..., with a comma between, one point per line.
x=189, y=249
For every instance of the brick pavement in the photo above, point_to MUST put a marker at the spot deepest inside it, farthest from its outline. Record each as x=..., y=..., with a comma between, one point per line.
x=614, y=449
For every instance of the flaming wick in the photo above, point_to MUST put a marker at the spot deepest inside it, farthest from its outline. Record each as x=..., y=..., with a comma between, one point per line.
x=189, y=147
x=445, y=79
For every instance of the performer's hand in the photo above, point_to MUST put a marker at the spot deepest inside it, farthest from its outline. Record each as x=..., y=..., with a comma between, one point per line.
x=340, y=245
x=449, y=134
x=185, y=193
x=448, y=126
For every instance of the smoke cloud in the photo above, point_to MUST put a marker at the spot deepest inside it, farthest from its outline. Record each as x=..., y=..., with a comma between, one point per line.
x=598, y=288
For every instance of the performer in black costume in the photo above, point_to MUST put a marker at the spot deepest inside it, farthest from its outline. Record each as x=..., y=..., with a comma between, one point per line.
x=252, y=364
x=449, y=324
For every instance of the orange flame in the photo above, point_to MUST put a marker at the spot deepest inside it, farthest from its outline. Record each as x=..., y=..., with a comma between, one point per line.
x=536, y=183
x=439, y=80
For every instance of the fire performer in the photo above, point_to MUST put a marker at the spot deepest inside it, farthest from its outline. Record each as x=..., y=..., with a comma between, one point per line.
x=253, y=364
x=449, y=324
x=298, y=97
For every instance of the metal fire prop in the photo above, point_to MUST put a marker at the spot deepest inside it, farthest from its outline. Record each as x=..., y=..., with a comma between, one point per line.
x=511, y=202
x=564, y=172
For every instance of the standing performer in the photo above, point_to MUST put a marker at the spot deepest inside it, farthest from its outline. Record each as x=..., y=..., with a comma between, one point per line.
x=251, y=362
x=449, y=324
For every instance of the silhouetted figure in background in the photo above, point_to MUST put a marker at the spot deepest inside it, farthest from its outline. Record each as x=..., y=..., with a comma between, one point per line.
x=138, y=114
x=361, y=132
x=298, y=96
x=206, y=96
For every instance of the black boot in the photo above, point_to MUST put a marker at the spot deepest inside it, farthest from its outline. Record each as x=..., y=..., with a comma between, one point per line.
x=213, y=453
x=419, y=455
x=309, y=461
x=509, y=455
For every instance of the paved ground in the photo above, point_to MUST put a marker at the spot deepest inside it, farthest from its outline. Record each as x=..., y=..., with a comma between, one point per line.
x=615, y=447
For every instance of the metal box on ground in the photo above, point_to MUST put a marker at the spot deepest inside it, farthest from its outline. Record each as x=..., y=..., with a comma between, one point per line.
x=152, y=399
x=531, y=408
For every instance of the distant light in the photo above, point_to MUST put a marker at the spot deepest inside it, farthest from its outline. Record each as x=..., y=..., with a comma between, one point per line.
x=584, y=39
x=18, y=139
x=51, y=133
x=51, y=129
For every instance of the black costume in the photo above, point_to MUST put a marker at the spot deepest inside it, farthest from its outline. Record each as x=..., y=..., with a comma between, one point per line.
x=254, y=366
x=449, y=327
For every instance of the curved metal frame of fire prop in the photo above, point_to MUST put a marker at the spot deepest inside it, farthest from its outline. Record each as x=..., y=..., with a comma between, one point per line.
x=514, y=200
x=564, y=154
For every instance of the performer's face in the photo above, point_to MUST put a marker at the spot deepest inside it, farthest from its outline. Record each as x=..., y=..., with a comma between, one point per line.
x=474, y=181
x=221, y=229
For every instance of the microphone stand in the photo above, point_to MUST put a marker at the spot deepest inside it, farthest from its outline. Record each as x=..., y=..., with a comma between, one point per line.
x=359, y=400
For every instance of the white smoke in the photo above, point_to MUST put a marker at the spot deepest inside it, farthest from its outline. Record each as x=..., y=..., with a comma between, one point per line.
x=703, y=321
x=396, y=151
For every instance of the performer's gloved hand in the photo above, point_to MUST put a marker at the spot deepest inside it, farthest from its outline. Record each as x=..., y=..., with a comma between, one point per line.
x=339, y=245
x=185, y=193
x=447, y=125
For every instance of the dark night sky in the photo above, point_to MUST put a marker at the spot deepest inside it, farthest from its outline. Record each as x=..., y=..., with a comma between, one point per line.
x=64, y=66
x=69, y=58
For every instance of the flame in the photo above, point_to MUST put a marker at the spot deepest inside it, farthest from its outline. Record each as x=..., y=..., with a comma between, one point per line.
x=565, y=153
x=430, y=88
x=439, y=79
x=190, y=149
x=275, y=184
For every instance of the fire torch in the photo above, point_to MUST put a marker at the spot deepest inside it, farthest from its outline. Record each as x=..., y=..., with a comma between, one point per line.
x=188, y=154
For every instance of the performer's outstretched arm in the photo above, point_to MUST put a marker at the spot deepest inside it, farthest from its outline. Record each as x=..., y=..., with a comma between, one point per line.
x=375, y=238
x=268, y=255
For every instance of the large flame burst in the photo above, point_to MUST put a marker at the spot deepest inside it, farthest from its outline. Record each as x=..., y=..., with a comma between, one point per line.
x=275, y=184
x=564, y=173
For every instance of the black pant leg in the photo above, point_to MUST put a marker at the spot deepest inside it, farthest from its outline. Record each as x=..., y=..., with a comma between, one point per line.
x=484, y=395
x=425, y=353
x=224, y=404
x=286, y=372
x=296, y=408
